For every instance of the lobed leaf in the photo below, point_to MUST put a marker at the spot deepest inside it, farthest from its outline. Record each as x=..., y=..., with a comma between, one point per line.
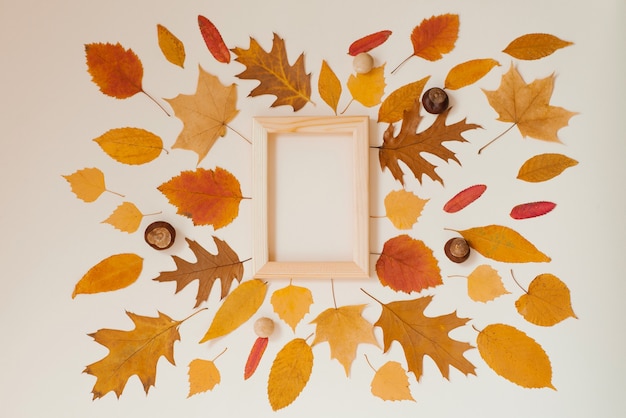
x=368, y=88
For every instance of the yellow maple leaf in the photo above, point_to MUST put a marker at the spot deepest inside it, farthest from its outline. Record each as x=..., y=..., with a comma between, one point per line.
x=203, y=376
x=391, y=383
x=292, y=303
x=132, y=146
x=126, y=217
x=403, y=208
x=484, y=284
x=113, y=273
x=87, y=184
x=547, y=301
x=290, y=373
x=368, y=88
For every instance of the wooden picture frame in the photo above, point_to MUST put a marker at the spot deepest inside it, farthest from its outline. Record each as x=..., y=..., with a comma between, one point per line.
x=355, y=129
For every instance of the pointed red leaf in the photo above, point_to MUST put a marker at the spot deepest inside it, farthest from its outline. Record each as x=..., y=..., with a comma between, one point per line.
x=369, y=42
x=255, y=356
x=213, y=40
x=531, y=210
x=464, y=198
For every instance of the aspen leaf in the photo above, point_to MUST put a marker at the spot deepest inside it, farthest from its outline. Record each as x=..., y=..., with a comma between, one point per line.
x=203, y=376
x=126, y=217
x=368, y=88
x=401, y=100
x=238, y=307
x=484, y=284
x=172, y=48
x=87, y=183
x=533, y=46
x=329, y=86
x=113, y=273
x=469, y=72
x=403, y=208
x=132, y=146
x=464, y=198
x=213, y=40
x=391, y=383
x=290, y=373
x=344, y=329
x=515, y=356
x=117, y=71
x=501, y=243
x=291, y=304
x=547, y=301
x=544, y=167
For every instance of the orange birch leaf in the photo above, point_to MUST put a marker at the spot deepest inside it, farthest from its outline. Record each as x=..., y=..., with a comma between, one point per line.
x=469, y=72
x=501, y=243
x=403, y=208
x=329, y=86
x=213, y=40
x=484, y=284
x=547, y=301
x=531, y=210
x=172, y=48
x=464, y=198
x=113, y=273
x=87, y=183
x=254, y=358
x=368, y=88
x=208, y=197
x=291, y=304
x=401, y=100
x=544, y=167
x=290, y=373
x=534, y=46
x=391, y=383
x=117, y=71
x=515, y=356
x=203, y=376
x=126, y=217
x=369, y=42
x=133, y=146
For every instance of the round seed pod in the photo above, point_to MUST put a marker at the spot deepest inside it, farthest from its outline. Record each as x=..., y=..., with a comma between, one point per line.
x=363, y=63
x=435, y=100
x=160, y=235
x=263, y=327
x=457, y=250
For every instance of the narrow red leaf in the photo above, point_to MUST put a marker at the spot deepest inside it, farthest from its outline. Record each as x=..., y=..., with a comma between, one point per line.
x=464, y=198
x=531, y=210
x=255, y=356
x=369, y=42
x=213, y=40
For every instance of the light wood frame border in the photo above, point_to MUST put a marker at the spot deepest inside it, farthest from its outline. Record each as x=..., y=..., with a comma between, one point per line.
x=358, y=127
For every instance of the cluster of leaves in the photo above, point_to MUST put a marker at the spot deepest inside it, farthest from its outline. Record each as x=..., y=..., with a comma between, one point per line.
x=405, y=264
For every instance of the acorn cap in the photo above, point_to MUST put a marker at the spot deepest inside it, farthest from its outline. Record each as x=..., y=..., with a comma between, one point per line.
x=457, y=249
x=160, y=235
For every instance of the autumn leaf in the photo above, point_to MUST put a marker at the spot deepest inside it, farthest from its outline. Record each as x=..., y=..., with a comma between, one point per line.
x=204, y=114
x=113, y=273
x=238, y=307
x=126, y=217
x=400, y=100
x=409, y=145
x=515, y=356
x=546, y=302
x=420, y=335
x=368, y=88
x=329, y=86
x=391, y=383
x=369, y=42
x=289, y=83
x=213, y=40
x=88, y=184
x=203, y=376
x=224, y=265
x=403, y=208
x=172, y=48
x=484, y=284
x=133, y=146
x=469, y=72
x=117, y=71
x=533, y=46
x=531, y=209
x=291, y=304
x=464, y=198
x=344, y=329
x=254, y=358
x=544, y=167
x=208, y=197
x=290, y=373
x=407, y=265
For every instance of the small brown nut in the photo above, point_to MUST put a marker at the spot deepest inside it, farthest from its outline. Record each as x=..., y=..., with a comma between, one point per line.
x=263, y=327
x=160, y=235
x=363, y=63
x=457, y=249
x=435, y=100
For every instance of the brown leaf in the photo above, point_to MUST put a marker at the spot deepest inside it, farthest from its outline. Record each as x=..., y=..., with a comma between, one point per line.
x=469, y=72
x=534, y=46
x=464, y=198
x=172, y=48
x=213, y=40
x=117, y=71
x=329, y=86
x=547, y=301
x=401, y=100
x=290, y=373
x=544, y=167
x=369, y=42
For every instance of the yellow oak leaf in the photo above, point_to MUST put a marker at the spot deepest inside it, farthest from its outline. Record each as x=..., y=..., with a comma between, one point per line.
x=126, y=217
x=132, y=146
x=113, y=273
x=344, y=329
x=203, y=376
x=400, y=100
x=391, y=383
x=172, y=47
x=87, y=183
x=533, y=46
x=403, y=208
x=292, y=303
x=205, y=114
x=547, y=301
x=544, y=167
x=469, y=72
x=329, y=86
x=515, y=356
x=484, y=284
x=290, y=373
x=368, y=88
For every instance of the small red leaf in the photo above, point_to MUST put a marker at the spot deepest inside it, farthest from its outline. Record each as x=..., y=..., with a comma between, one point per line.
x=369, y=42
x=531, y=210
x=464, y=198
x=255, y=356
x=213, y=40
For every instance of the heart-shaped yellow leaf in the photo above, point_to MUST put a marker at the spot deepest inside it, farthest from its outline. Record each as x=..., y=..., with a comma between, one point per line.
x=403, y=208
x=547, y=301
x=292, y=303
x=391, y=383
x=87, y=184
x=368, y=88
x=126, y=217
x=203, y=376
x=484, y=284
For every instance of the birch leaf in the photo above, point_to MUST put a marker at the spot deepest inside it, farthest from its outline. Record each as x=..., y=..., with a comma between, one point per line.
x=87, y=183
x=368, y=88
x=403, y=208
x=126, y=217
x=391, y=383
x=113, y=273
x=484, y=284
x=329, y=86
x=291, y=304
x=133, y=146
x=401, y=100
x=290, y=373
x=544, y=167
x=534, y=46
x=172, y=48
x=547, y=301
x=203, y=376
x=469, y=72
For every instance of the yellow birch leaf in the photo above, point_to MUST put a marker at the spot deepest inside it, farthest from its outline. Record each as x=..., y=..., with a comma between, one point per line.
x=484, y=284
x=547, y=301
x=469, y=72
x=501, y=243
x=400, y=100
x=203, y=376
x=126, y=217
x=391, y=383
x=291, y=304
x=133, y=146
x=403, y=208
x=87, y=184
x=172, y=47
x=368, y=88
x=238, y=307
x=515, y=356
x=534, y=46
x=544, y=167
x=290, y=373
x=113, y=273
x=329, y=86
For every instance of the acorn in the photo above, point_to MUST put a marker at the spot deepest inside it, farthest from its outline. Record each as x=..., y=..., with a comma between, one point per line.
x=457, y=249
x=160, y=235
x=435, y=100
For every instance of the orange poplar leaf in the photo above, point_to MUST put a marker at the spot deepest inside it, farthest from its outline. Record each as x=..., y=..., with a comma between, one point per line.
x=469, y=72
x=464, y=198
x=547, y=301
x=368, y=88
x=117, y=71
x=203, y=376
x=401, y=100
x=254, y=358
x=369, y=42
x=534, y=46
x=172, y=48
x=290, y=373
x=126, y=217
x=329, y=86
x=391, y=383
x=133, y=146
x=87, y=184
x=113, y=273
x=213, y=40
x=544, y=167
x=291, y=304
x=403, y=208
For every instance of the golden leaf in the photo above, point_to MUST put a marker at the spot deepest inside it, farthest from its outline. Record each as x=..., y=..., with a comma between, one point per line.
x=172, y=48
x=329, y=86
x=544, y=167
x=368, y=88
x=391, y=383
x=87, y=184
x=401, y=100
x=132, y=146
x=468, y=73
x=292, y=303
x=403, y=208
x=290, y=373
x=515, y=356
x=547, y=301
x=126, y=217
x=238, y=307
x=203, y=376
x=534, y=46
x=113, y=273
x=484, y=284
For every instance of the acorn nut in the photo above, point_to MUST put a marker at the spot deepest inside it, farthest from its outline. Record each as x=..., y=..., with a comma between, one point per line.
x=457, y=250
x=435, y=100
x=160, y=235
x=363, y=63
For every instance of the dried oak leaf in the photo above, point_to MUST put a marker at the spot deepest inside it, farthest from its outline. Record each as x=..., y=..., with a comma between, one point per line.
x=289, y=83
x=408, y=145
x=224, y=265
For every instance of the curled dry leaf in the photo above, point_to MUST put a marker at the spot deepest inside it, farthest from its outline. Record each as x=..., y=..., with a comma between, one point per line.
x=172, y=48
x=117, y=71
x=469, y=72
x=463, y=198
x=87, y=183
x=133, y=146
x=401, y=100
x=391, y=383
x=484, y=284
x=369, y=42
x=203, y=376
x=403, y=208
x=291, y=304
x=547, y=301
x=329, y=86
x=126, y=217
x=534, y=46
x=290, y=373
x=368, y=88
x=213, y=40
x=531, y=210
x=544, y=167
x=113, y=273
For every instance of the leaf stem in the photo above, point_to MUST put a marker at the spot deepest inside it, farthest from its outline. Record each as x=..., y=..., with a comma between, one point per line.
x=239, y=133
x=219, y=355
x=401, y=64
x=363, y=290
x=377, y=216
x=115, y=193
x=195, y=313
x=517, y=283
x=496, y=138
x=332, y=286
x=370, y=364
x=347, y=106
x=155, y=101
